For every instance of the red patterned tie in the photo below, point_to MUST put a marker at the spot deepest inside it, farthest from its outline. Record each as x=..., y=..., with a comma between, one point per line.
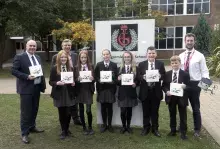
x=187, y=62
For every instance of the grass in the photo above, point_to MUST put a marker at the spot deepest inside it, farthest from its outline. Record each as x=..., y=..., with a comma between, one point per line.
x=48, y=120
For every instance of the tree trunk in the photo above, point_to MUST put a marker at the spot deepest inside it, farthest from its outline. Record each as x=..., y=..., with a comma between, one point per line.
x=2, y=44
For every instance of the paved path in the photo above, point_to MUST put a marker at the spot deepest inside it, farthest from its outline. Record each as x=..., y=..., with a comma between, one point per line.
x=210, y=106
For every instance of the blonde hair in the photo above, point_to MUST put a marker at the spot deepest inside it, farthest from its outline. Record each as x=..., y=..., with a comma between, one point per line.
x=66, y=41
x=58, y=62
x=175, y=58
x=133, y=63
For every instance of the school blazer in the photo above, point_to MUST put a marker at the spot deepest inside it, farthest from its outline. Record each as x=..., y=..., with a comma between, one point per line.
x=183, y=78
x=142, y=67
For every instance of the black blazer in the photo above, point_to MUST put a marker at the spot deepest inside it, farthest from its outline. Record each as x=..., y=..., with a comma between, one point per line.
x=56, y=89
x=20, y=69
x=73, y=57
x=183, y=78
x=127, y=90
x=103, y=86
x=78, y=84
x=142, y=67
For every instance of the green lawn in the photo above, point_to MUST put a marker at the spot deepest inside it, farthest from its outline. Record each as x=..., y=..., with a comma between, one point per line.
x=48, y=120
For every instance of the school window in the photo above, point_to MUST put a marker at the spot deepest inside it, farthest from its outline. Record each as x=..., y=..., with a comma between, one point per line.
x=166, y=38
x=198, y=6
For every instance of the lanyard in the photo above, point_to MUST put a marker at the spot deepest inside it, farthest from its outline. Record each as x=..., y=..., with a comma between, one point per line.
x=185, y=63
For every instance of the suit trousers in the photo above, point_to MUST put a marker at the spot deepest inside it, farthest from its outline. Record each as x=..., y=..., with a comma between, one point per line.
x=174, y=102
x=150, y=108
x=29, y=104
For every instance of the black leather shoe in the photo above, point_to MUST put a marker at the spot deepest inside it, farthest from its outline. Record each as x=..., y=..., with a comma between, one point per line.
x=90, y=131
x=25, y=139
x=196, y=133
x=36, y=130
x=68, y=133
x=145, y=131
x=156, y=133
x=129, y=130
x=183, y=137
x=77, y=122
x=110, y=129
x=122, y=130
x=103, y=128
x=85, y=131
x=63, y=135
x=172, y=133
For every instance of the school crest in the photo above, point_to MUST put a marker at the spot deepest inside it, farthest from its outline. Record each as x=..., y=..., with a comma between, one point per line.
x=124, y=37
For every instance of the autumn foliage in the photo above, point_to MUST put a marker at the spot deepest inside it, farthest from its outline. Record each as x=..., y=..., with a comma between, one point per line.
x=79, y=32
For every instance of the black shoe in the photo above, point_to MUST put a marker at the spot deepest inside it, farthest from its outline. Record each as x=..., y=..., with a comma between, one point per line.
x=145, y=131
x=85, y=131
x=183, y=137
x=103, y=128
x=129, y=130
x=197, y=133
x=90, y=131
x=77, y=122
x=25, y=139
x=110, y=129
x=68, y=133
x=63, y=135
x=123, y=130
x=172, y=133
x=36, y=130
x=156, y=133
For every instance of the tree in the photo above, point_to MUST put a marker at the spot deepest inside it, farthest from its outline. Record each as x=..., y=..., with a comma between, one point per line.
x=203, y=35
x=79, y=32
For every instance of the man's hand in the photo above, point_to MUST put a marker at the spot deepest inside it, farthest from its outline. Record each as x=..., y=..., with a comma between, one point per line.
x=168, y=93
x=30, y=77
x=183, y=86
x=119, y=77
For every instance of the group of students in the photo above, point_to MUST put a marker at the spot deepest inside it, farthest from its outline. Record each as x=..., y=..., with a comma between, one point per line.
x=150, y=94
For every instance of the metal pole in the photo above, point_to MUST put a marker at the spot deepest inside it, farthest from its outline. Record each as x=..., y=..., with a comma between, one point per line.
x=174, y=24
x=93, y=55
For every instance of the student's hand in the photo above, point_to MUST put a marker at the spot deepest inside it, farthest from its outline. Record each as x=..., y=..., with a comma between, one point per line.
x=133, y=85
x=91, y=78
x=159, y=75
x=119, y=77
x=79, y=78
x=168, y=93
x=144, y=77
x=73, y=84
x=183, y=86
x=30, y=77
x=60, y=83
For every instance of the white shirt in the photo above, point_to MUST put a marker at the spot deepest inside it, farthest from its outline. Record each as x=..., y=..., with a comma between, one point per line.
x=30, y=58
x=106, y=63
x=126, y=68
x=86, y=68
x=197, y=65
x=64, y=67
x=149, y=65
x=177, y=75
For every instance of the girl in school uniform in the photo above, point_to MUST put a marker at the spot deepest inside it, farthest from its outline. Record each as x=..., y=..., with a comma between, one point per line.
x=106, y=91
x=127, y=96
x=85, y=91
x=62, y=94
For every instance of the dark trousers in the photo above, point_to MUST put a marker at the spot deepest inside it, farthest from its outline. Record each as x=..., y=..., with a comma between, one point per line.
x=29, y=104
x=126, y=114
x=174, y=102
x=64, y=118
x=107, y=112
x=88, y=112
x=74, y=112
x=194, y=94
x=150, y=108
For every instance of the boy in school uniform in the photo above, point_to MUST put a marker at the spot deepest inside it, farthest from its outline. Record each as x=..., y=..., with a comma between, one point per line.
x=176, y=75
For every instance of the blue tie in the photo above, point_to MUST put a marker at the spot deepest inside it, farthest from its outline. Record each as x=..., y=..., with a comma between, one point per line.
x=33, y=59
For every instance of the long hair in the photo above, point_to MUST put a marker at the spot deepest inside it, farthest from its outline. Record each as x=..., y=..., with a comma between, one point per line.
x=79, y=64
x=58, y=62
x=133, y=63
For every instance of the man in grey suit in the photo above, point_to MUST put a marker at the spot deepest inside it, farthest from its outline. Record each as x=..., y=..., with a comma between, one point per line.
x=66, y=46
x=29, y=88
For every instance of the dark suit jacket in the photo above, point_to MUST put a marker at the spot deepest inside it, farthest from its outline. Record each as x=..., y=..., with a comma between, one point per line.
x=74, y=58
x=127, y=90
x=142, y=67
x=78, y=84
x=56, y=89
x=103, y=86
x=183, y=78
x=20, y=69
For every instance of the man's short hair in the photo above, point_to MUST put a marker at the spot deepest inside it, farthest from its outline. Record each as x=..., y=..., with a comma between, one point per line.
x=151, y=48
x=190, y=35
x=175, y=58
x=66, y=41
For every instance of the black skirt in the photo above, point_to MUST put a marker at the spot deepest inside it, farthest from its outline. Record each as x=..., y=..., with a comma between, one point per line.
x=106, y=96
x=127, y=102
x=85, y=95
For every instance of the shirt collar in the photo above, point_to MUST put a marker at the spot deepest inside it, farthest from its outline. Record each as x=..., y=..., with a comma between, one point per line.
x=151, y=62
x=85, y=65
x=29, y=55
x=177, y=72
x=106, y=63
x=190, y=50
